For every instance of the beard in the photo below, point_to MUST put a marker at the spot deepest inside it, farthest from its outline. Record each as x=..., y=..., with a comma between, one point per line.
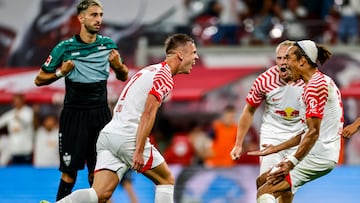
x=91, y=29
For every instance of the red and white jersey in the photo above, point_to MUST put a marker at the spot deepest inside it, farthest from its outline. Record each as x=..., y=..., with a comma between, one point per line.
x=156, y=80
x=322, y=99
x=281, y=118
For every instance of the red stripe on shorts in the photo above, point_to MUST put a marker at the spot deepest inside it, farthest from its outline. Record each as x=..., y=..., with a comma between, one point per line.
x=149, y=163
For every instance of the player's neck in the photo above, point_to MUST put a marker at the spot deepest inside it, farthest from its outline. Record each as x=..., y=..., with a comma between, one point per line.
x=87, y=37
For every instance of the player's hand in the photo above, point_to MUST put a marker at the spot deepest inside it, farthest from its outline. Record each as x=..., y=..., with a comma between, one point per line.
x=267, y=149
x=67, y=67
x=278, y=173
x=349, y=130
x=121, y=70
x=114, y=58
x=235, y=152
x=138, y=162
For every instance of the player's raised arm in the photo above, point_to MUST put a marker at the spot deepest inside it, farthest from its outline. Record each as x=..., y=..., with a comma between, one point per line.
x=270, y=149
x=121, y=70
x=44, y=78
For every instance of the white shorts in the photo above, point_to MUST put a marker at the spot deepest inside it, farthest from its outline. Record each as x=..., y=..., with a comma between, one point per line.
x=115, y=153
x=269, y=161
x=308, y=169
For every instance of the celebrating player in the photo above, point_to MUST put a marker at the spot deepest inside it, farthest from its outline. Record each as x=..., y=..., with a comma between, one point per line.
x=318, y=150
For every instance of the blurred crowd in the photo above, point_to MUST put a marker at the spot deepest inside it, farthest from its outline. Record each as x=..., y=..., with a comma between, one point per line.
x=210, y=22
x=259, y=22
x=29, y=135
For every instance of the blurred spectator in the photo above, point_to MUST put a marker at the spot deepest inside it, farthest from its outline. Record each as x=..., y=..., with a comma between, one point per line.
x=204, y=25
x=294, y=15
x=263, y=15
x=223, y=136
x=348, y=30
x=19, y=123
x=5, y=155
x=200, y=141
x=180, y=151
x=46, y=148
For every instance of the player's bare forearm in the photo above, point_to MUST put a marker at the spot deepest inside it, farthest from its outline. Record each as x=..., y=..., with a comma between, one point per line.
x=44, y=78
x=351, y=129
x=147, y=121
x=121, y=72
x=120, y=69
x=146, y=124
x=309, y=138
x=270, y=149
x=244, y=124
x=292, y=142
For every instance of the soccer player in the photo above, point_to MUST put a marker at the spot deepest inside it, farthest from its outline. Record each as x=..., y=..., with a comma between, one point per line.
x=84, y=60
x=124, y=142
x=351, y=129
x=281, y=119
x=318, y=150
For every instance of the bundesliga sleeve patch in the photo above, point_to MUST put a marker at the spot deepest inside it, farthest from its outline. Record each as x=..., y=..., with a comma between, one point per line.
x=48, y=60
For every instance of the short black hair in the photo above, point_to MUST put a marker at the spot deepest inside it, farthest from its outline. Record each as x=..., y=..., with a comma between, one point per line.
x=176, y=40
x=85, y=4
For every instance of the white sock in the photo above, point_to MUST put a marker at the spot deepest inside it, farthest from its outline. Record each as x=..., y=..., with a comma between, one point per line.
x=164, y=194
x=81, y=196
x=266, y=198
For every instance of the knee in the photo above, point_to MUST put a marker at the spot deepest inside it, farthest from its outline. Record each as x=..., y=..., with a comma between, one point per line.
x=69, y=177
x=172, y=180
x=169, y=180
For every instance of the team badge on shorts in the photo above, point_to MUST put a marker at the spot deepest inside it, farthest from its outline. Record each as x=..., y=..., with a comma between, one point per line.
x=67, y=159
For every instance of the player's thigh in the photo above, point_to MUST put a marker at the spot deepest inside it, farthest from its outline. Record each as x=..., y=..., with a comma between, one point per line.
x=105, y=182
x=160, y=175
x=73, y=134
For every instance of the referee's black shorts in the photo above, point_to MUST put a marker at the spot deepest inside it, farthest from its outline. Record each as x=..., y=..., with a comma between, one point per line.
x=78, y=133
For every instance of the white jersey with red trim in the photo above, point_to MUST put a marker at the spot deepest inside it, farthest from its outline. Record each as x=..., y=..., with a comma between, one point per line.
x=322, y=99
x=156, y=80
x=281, y=118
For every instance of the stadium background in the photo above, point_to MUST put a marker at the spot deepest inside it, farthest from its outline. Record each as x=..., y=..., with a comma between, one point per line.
x=29, y=29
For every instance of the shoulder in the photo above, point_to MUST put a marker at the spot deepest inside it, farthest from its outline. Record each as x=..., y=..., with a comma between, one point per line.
x=269, y=73
x=65, y=43
x=268, y=80
x=318, y=80
x=106, y=40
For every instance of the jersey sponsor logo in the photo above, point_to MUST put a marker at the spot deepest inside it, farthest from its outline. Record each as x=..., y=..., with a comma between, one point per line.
x=75, y=53
x=288, y=113
x=48, y=60
x=67, y=159
x=101, y=47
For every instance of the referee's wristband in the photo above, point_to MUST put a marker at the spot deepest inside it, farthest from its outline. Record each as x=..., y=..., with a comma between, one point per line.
x=59, y=74
x=293, y=159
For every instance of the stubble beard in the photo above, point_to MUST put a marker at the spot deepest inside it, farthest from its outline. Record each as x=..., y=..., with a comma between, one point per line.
x=91, y=30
